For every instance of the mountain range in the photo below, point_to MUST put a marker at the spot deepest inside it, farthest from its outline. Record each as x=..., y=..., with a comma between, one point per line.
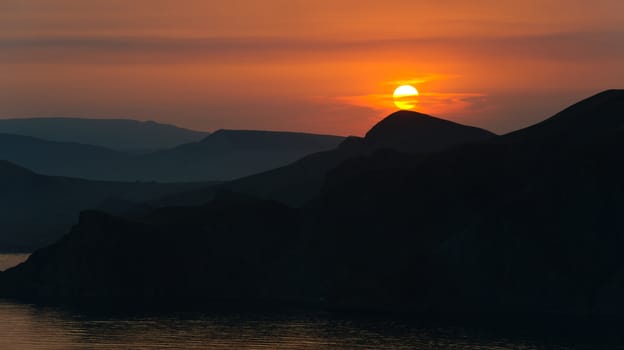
x=35, y=210
x=465, y=223
x=222, y=155
x=118, y=134
x=296, y=183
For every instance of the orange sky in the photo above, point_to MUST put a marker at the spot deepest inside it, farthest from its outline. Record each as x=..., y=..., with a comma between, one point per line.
x=322, y=66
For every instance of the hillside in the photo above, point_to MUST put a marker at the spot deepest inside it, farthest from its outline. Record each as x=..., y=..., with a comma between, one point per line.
x=585, y=120
x=487, y=228
x=224, y=155
x=36, y=210
x=117, y=134
x=413, y=132
x=62, y=158
x=230, y=154
x=404, y=131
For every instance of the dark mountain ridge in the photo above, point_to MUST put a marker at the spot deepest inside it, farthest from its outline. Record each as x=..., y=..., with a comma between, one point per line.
x=11, y=172
x=205, y=240
x=35, y=210
x=60, y=158
x=502, y=228
x=224, y=155
x=230, y=154
x=261, y=139
x=584, y=120
x=408, y=131
x=298, y=182
x=117, y=134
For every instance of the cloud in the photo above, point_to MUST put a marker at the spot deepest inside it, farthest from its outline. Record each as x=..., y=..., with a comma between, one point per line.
x=572, y=47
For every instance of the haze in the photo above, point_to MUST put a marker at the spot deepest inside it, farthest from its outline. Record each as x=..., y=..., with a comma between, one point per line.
x=316, y=66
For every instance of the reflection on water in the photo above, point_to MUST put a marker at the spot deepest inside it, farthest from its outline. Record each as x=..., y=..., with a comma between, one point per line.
x=10, y=260
x=28, y=327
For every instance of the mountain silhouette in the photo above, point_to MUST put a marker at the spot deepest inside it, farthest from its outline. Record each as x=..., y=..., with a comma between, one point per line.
x=12, y=173
x=60, y=158
x=490, y=227
x=587, y=119
x=117, y=134
x=226, y=252
x=493, y=227
x=413, y=132
x=306, y=175
x=300, y=181
x=35, y=210
x=224, y=155
x=229, y=154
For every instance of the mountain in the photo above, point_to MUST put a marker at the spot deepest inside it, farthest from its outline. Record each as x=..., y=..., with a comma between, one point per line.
x=413, y=132
x=35, y=210
x=404, y=131
x=215, y=244
x=117, y=134
x=582, y=121
x=298, y=182
x=528, y=227
x=223, y=155
x=230, y=154
x=61, y=158
x=306, y=174
x=487, y=229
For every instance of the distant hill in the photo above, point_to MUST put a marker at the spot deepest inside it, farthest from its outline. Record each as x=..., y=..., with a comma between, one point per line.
x=62, y=158
x=35, y=210
x=117, y=134
x=300, y=181
x=403, y=131
x=230, y=154
x=486, y=229
x=224, y=155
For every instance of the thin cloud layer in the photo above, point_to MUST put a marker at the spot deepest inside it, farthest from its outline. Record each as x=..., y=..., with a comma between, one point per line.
x=323, y=66
x=570, y=47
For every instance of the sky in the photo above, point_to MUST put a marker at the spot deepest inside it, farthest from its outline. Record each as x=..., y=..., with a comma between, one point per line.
x=323, y=66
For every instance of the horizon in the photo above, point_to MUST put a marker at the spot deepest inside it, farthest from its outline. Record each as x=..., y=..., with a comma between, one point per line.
x=315, y=67
x=212, y=131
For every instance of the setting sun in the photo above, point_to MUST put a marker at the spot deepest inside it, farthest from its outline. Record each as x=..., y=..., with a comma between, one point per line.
x=379, y=174
x=405, y=97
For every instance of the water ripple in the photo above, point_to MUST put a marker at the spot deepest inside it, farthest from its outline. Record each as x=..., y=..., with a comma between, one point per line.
x=28, y=327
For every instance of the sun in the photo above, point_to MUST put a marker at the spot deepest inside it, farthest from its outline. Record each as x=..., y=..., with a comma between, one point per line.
x=405, y=97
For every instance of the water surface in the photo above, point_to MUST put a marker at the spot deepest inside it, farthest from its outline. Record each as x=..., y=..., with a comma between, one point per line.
x=24, y=326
